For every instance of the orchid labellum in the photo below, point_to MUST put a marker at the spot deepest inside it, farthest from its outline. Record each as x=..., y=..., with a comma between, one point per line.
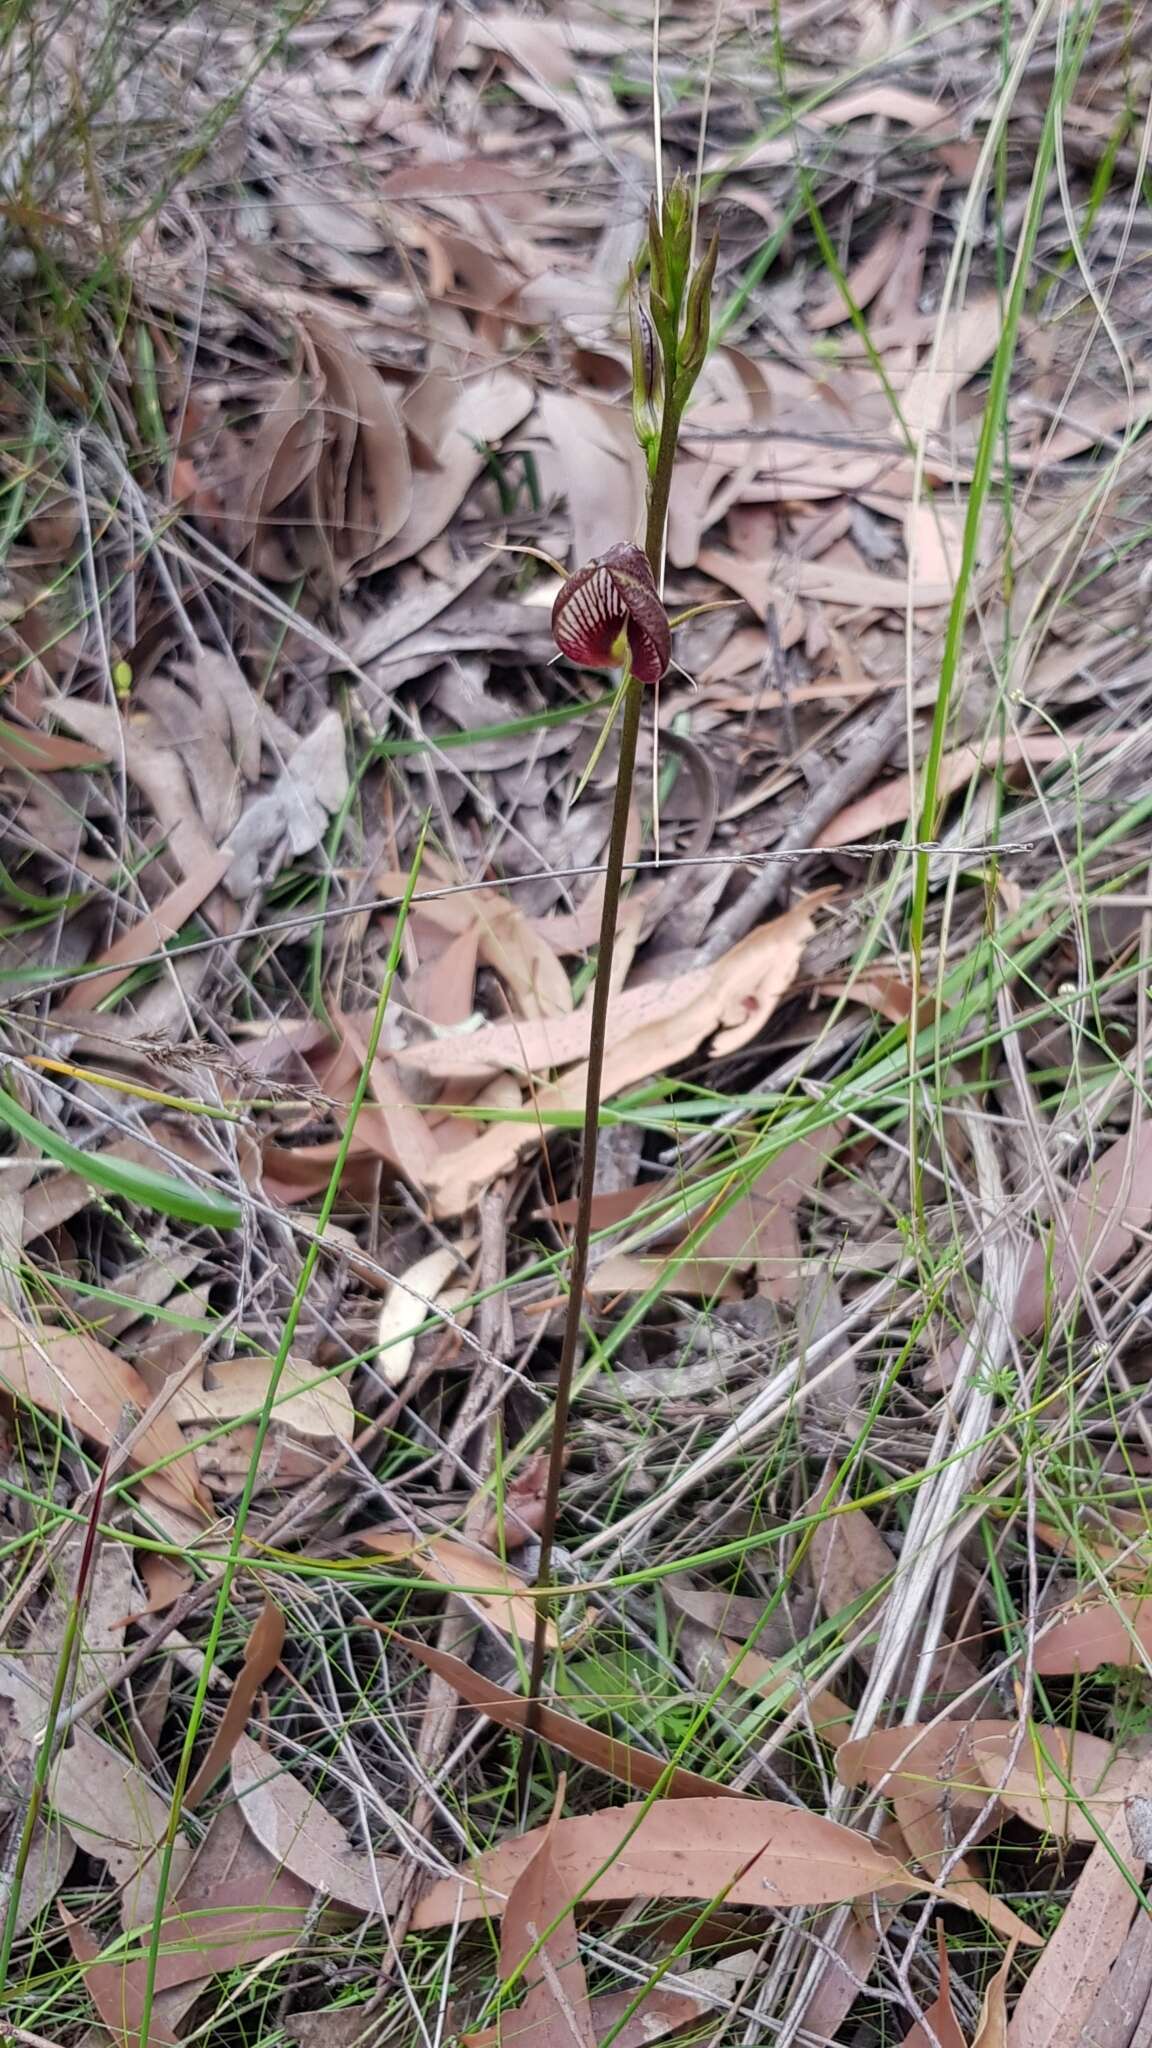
x=610, y=612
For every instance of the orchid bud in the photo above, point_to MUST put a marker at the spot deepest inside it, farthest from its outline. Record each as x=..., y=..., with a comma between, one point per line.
x=697, y=321
x=610, y=612
x=676, y=240
x=647, y=373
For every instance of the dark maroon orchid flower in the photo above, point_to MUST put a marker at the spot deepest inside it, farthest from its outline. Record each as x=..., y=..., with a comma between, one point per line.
x=611, y=611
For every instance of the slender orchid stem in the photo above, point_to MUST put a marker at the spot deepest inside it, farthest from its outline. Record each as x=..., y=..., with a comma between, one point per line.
x=658, y=495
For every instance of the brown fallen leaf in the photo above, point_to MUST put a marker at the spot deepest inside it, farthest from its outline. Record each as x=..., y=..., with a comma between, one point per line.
x=516, y=947
x=883, y=103
x=592, y=459
x=633, y=1767
x=99, y=1794
x=136, y=739
x=862, y=281
x=371, y=484
x=1084, y=1240
x=465, y=1570
x=519, y=1509
x=538, y=1938
x=308, y=1403
x=940, y=2027
x=1061, y=1991
x=43, y=753
x=108, y=1602
x=261, y=1656
x=1048, y=1761
x=410, y=1303
x=650, y=1029
x=80, y=1380
x=746, y=1852
x=967, y=341
x=774, y=579
x=291, y=818
x=149, y=934
x=300, y=1834
x=992, y=2026
x=890, y=802
x=115, y=1992
x=847, y=1965
x=1119, y=2015
x=202, y=1935
x=930, y=1775
x=851, y=1564
x=485, y=408
x=1085, y=1635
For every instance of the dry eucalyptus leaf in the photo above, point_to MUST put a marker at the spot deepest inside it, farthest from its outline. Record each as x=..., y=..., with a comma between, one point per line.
x=410, y=1302
x=303, y=1836
x=109, y=1599
x=78, y=1378
x=292, y=817
x=474, y=1573
x=308, y=1402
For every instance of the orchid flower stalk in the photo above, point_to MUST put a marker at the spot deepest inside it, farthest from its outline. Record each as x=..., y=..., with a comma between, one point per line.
x=610, y=614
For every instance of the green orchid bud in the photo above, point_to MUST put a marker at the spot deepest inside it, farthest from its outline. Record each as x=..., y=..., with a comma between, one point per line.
x=676, y=241
x=693, y=349
x=647, y=373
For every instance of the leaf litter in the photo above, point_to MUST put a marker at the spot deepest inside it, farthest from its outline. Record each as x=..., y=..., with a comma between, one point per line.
x=266, y=602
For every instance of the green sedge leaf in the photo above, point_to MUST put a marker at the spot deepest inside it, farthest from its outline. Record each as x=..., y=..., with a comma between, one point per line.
x=133, y=1183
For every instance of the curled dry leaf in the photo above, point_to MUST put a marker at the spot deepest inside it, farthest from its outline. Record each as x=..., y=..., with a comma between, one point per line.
x=754, y=1852
x=649, y=1030
x=474, y=1573
x=940, y=2027
x=409, y=1304
x=292, y=817
x=261, y=1656
x=86, y=1384
x=300, y=1834
x=513, y=945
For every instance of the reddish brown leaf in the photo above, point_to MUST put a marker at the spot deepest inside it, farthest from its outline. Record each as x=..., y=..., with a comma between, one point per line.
x=149, y=934
x=933, y=1781
x=78, y=1378
x=1047, y=1761
x=634, y=1767
x=539, y=1932
x=745, y=1852
x=42, y=753
x=1082, y=1637
x=940, y=2027
x=261, y=1656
